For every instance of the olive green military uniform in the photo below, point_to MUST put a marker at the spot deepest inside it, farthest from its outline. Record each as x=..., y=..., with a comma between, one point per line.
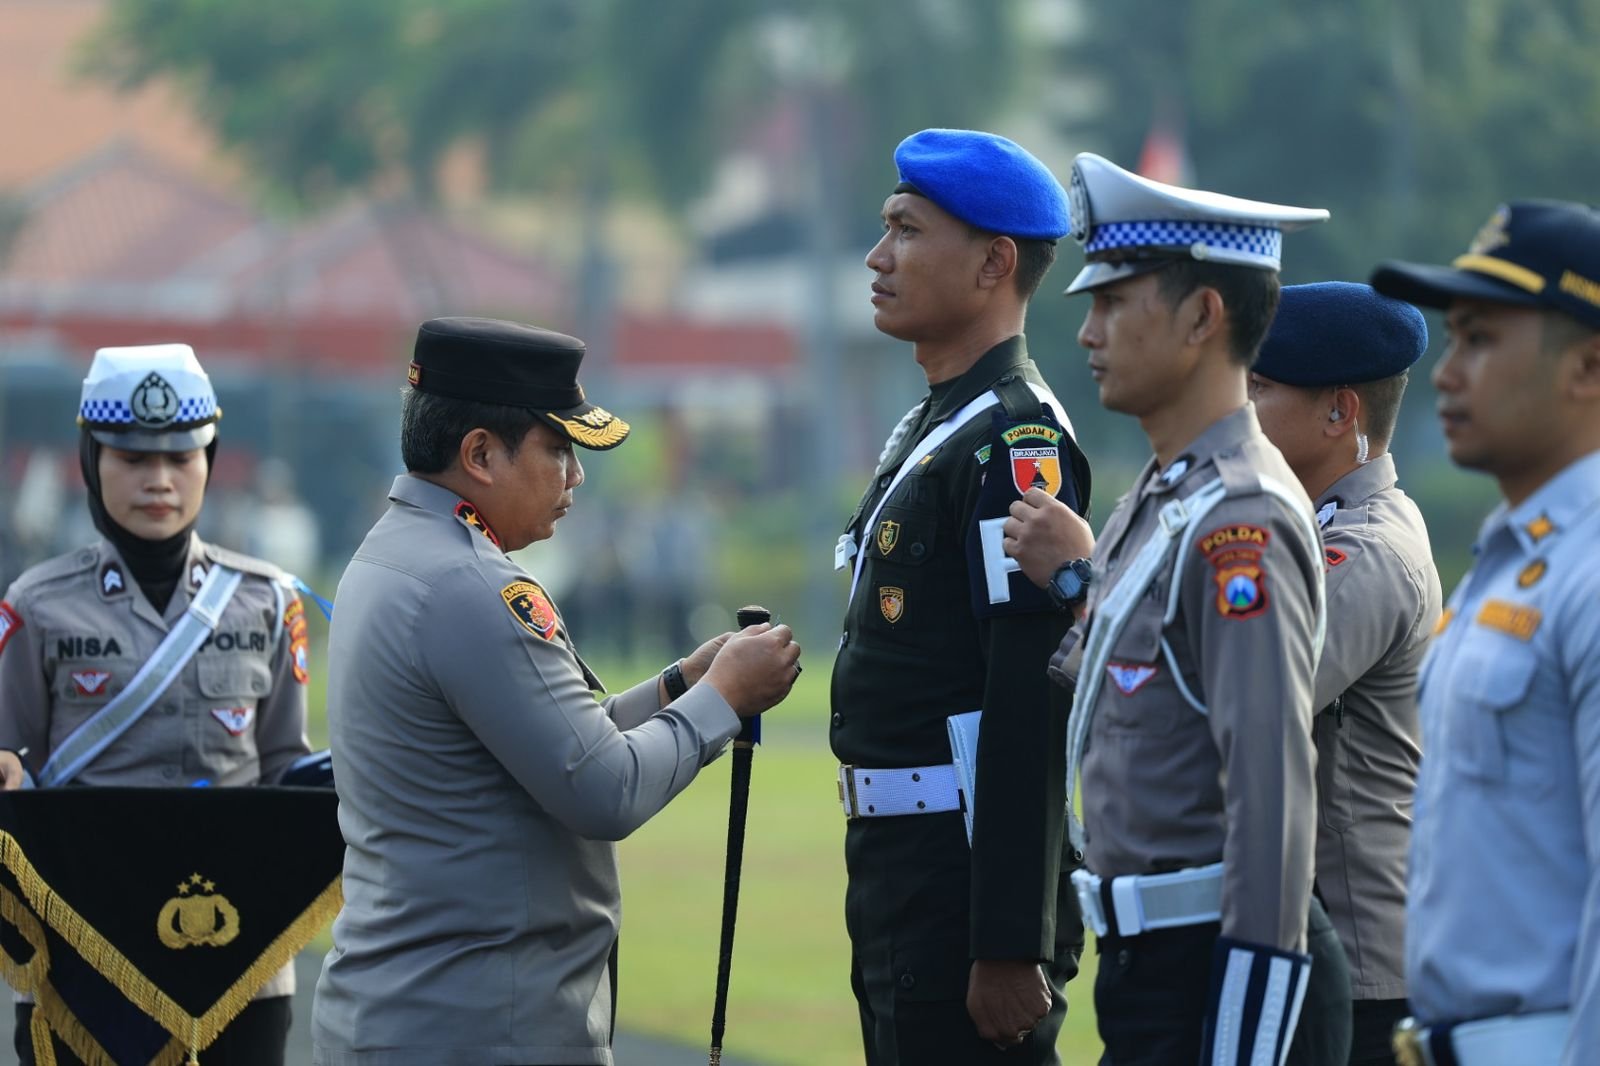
x=922, y=641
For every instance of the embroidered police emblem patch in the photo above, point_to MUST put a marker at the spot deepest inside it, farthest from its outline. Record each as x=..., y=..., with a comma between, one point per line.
x=90, y=682
x=892, y=602
x=1130, y=677
x=234, y=719
x=530, y=606
x=154, y=402
x=1235, y=553
x=888, y=535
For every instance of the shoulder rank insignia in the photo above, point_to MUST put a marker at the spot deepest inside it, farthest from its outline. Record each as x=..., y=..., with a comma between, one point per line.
x=1513, y=619
x=1035, y=454
x=530, y=606
x=892, y=602
x=888, y=535
x=469, y=517
x=10, y=622
x=1235, y=554
x=1531, y=574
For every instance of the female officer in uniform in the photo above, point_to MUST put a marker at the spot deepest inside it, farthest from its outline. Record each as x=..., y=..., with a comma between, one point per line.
x=76, y=630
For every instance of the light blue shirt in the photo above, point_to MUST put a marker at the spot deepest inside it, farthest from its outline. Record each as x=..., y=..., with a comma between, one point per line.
x=1504, y=908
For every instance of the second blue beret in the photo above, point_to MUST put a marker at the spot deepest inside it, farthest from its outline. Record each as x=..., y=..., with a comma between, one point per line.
x=1340, y=333
x=986, y=181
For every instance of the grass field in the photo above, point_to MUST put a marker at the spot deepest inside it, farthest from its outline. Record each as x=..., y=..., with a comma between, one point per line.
x=790, y=1001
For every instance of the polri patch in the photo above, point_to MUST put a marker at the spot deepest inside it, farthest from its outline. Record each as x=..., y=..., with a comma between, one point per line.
x=10, y=622
x=530, y=606
x=469, y=517
x=234, y=719
x=1513, y=619
x=892, y=602
x=1035, y=453
x=1235, y=554
x=888, y=536
x=294, y=622
x=90, y=682
x=1130, y=677
x=1531, y=574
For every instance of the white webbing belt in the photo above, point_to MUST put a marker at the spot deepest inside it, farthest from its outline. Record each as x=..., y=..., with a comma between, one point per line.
x=173, y=653
x=867, y=793
x=1525, y=1039
x=1142, y=902
x=1111, y=617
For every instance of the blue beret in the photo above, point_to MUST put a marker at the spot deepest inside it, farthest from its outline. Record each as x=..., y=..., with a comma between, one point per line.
x=1340, y=333
x=985, y=181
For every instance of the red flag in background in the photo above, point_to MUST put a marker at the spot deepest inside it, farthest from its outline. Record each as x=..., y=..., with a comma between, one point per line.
x=1164, y=156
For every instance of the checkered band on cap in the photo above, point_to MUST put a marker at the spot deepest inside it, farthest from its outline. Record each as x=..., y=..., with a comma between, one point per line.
x=1223, y=241
x=118, y=413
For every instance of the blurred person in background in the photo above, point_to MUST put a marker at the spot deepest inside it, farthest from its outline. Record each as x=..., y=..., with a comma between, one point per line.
x=75, y=632
x=481, y=782
x=1194, y=664
x=960, y=951
x=1503, y=912
x=1327, y=388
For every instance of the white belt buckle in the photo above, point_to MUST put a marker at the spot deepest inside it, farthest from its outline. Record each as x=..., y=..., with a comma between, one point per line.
x=1127, y=904
x=847, y=792
x=1088, y=889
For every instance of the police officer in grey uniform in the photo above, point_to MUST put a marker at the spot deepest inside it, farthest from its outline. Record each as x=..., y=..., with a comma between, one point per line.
x=1194, y=663
x=1503, y=912
x=481, y=782
x=75, y=632
x=1327, y=389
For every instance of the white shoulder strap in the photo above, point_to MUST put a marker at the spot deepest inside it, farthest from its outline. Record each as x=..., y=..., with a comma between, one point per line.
x=86, y=742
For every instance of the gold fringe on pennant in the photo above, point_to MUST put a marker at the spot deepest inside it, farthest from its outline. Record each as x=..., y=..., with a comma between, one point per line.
x=190, y=1033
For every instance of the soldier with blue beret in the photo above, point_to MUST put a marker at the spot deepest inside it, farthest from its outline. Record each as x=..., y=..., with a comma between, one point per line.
x=959, y=950
x=1503, y=912
x=1327, y=388
x=1194, y=665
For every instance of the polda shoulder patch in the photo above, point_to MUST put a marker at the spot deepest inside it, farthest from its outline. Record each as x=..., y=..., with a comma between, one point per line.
x=1235, y=556
x=531, y=608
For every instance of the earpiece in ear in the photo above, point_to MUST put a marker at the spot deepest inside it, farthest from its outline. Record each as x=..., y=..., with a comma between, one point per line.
x=1334, y=415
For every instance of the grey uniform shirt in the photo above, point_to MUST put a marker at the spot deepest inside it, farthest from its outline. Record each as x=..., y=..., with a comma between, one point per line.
x=234, y=715
x=1166, y=786
x=1504, y=909
x=1383, y=604
x=481, y=785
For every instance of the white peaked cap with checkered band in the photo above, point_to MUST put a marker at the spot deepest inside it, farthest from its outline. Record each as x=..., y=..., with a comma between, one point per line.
x=149, y=398
x=1129, y=224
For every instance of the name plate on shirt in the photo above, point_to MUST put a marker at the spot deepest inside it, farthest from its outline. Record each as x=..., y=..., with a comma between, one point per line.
x=1511, y=618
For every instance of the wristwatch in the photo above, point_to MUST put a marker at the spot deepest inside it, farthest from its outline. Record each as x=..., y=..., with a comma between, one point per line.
x=1070, y=585
x=672, y=677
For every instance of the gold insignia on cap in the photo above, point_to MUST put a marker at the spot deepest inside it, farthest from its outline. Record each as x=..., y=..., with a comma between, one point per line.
x=414, y=374
x=1581, y=287
x=1493, y=232
x=596, y=428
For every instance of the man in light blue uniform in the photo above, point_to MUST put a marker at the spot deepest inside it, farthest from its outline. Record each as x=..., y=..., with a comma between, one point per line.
x=1503, y=938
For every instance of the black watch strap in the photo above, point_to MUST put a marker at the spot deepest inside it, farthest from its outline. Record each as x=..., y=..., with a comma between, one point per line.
x=672, y=678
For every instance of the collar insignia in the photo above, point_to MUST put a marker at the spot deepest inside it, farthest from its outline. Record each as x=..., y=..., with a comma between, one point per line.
x=197, y=576
x=1540, y=528
x=470, y=518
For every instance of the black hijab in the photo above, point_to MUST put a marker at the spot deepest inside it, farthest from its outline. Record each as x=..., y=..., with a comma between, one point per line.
x=157, y=565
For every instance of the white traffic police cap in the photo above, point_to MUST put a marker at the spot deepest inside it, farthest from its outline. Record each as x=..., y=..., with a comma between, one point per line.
x=149, y=398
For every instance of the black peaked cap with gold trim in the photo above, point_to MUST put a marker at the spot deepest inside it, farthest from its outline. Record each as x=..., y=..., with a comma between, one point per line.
x=490, y=361
x=1533, y=253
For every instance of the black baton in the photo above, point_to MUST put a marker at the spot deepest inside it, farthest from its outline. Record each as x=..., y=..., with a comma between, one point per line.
x=744, y=747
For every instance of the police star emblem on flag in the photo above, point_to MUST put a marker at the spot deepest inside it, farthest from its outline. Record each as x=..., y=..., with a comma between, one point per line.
x=530, y=606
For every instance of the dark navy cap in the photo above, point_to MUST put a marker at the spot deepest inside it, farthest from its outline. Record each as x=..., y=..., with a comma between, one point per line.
x=1340, y=333
x=1533, y=253
x=490, y=361
x=986, y=181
